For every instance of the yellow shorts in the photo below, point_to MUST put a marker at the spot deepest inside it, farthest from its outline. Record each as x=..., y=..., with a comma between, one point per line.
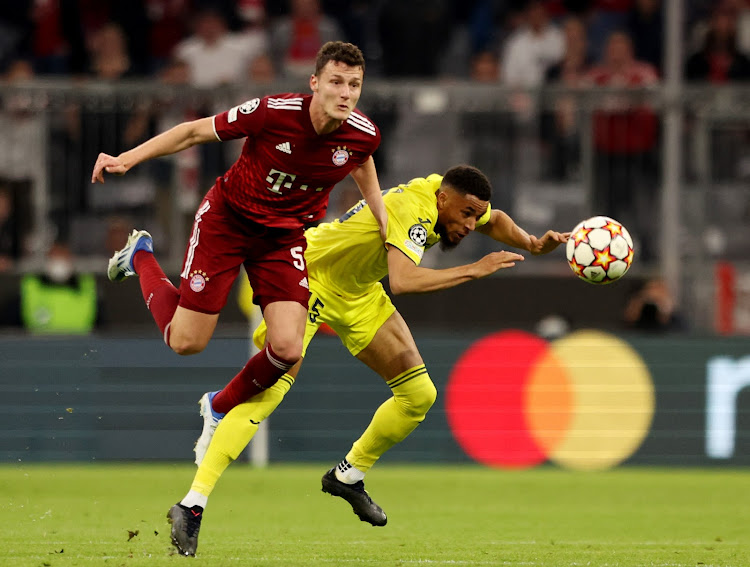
x=355, y=319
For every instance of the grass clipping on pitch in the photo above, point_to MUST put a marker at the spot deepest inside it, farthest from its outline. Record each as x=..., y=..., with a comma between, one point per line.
x=115, y=515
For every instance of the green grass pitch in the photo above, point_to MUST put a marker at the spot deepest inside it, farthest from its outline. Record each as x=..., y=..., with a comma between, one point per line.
x=83, y=515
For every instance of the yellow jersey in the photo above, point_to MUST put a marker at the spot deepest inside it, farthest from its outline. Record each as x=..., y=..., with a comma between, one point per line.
x=348, y=255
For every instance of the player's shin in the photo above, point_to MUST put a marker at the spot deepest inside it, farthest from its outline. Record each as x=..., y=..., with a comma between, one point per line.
x=160, y=295
x=261, y=372
x=232, y=435
x=413, y=395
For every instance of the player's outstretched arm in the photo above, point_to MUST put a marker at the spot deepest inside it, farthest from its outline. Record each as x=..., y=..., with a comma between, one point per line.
x=174, y=140
x=404, y=276
x=367, y=180
x=502, y=228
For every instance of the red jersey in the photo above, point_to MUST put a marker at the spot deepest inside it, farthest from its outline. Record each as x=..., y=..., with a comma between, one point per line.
x=286, y=170
x=622, y=127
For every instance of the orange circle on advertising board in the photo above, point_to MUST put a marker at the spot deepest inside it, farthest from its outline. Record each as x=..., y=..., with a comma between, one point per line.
x=585, y=401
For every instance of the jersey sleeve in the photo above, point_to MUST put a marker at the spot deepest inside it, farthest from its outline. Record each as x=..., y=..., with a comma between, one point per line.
x=368, y=133
x=246, y=119
x=374, y=146
x=410, y=223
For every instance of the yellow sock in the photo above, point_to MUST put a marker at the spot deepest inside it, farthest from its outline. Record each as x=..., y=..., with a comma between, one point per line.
x=234, y=433
x=413, y=395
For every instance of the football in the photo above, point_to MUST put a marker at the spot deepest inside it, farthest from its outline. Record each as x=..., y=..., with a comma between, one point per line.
x=600, y=250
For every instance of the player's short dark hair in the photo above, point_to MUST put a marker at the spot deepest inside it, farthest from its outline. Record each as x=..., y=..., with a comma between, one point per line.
x=340, y=51
x=468, y=180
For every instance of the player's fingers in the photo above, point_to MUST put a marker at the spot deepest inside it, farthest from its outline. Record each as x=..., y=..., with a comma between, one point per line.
x=102, y=161
x=98, y=174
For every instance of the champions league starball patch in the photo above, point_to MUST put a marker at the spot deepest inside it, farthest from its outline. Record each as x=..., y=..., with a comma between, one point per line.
x=418, y=234
x=340, y=156
x=249, y=106
x=198, y=281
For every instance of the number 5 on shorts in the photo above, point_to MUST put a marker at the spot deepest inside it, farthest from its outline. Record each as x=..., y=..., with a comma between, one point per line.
x=314, y=313
x=299, y=258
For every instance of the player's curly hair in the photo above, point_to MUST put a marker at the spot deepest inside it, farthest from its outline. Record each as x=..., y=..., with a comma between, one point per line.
x=341, y=51
x=469, y=180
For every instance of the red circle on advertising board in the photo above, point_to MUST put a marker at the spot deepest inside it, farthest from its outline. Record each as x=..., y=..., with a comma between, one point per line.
x=486, y=410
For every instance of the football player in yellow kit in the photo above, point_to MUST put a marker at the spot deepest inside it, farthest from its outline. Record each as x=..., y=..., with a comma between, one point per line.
x=346, y=260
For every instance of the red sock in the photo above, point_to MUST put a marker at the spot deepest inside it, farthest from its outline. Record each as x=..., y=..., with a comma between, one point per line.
x=160, y=295
x=260, y=373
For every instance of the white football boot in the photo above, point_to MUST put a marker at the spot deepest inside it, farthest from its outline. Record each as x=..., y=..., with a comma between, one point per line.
x=211, y=420
x=121, y=264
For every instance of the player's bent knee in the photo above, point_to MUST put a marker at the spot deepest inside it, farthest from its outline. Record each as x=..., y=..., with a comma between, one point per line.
x=426, y=397
x=185, y=346
x=289, y=352
x=420, y=398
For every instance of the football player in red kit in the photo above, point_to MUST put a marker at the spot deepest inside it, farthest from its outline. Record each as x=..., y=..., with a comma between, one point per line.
x=297, y=147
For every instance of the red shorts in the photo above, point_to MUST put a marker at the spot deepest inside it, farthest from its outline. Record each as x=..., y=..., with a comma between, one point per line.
x=222, y=240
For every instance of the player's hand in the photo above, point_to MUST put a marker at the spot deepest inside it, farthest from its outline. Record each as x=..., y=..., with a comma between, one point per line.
x=108, y=163
x=548, y=242
x=495, y=261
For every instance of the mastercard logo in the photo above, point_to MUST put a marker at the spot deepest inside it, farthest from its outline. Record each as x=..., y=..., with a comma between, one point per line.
x=584, y=402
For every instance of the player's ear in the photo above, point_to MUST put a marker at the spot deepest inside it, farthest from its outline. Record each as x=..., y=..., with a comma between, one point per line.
x=314, y=83
x=441, y=198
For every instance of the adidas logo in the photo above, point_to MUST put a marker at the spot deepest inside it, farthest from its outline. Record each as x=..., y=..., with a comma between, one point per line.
x=303, y=283
x=285, y=147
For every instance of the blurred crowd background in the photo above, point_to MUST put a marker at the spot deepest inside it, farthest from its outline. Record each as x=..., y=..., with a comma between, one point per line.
x=227, y=41
x=562, y=104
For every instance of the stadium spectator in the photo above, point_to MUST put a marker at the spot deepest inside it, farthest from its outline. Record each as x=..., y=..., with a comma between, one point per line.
x=23, y=154
x=652, y=308
x=261, y=70
x=58, y=300
x=168, y=26
x=254, y=34
x=57, y=41
x=560, y=134
x=604, y=17
x=77, y=133
x=108, y=54
x=296, y=38
x=255, y=216
x=625, y=142
x=347, y=260
x=215, y=55
x=719, y=59
x=488, y=133
x=700, y=20
x=532, y=49
x=485, y=67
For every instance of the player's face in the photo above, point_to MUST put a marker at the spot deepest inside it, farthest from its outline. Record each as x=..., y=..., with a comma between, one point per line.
x=457, y=215
x=337, y=87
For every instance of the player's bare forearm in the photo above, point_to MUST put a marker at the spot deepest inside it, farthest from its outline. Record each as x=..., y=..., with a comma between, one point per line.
x=503, y=229
x=172, y=141
x=406, y=277
x=367, y=180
